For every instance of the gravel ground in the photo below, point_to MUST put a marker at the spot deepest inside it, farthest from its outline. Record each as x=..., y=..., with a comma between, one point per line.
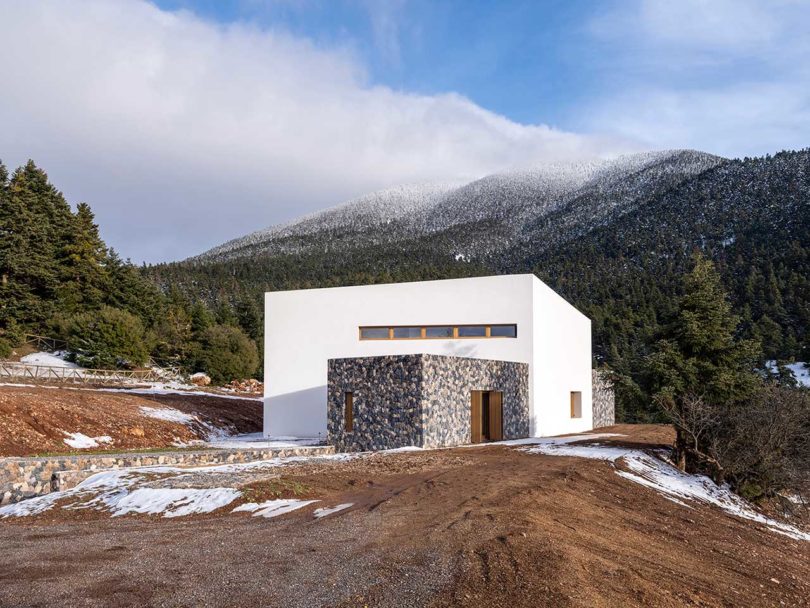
x=489, y=526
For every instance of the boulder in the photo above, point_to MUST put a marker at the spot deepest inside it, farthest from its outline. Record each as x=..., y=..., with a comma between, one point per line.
x=200, y=379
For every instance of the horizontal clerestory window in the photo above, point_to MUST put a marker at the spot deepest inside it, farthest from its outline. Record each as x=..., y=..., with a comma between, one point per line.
x=437, y=332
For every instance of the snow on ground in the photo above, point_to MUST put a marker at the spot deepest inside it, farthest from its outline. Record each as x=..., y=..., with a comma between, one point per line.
x=119, y=491
x=173, y=388
x=157, y=388
x=171, y=502
x=801, y=372
x=324, y=511
x=273, y=508
x=143, y=489
x=257, y=441
x=168, y=414
x=80, y=441
x=115, y=492
x=799, y=369
x=660, y=476
x=54, y=359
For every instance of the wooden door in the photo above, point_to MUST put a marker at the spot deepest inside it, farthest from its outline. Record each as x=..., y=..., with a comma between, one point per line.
x=495, y=416
x=475, y=417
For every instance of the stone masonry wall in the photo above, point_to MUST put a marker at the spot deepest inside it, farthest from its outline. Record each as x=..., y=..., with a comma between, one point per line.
x=22, y=478
x=448, y=384
x=387, y=409
x=604, y=400
x=419, y=400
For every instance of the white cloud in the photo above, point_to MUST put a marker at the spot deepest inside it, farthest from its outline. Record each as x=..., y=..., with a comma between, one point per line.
x=726, y=76
x=182, y=133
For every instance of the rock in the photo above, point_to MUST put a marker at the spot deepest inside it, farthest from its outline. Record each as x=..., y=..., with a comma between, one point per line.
x=200, y=379
x=246, y=386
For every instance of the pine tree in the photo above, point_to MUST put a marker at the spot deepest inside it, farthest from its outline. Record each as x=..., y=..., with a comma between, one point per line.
x=85, y=279
x=250, y=317
x=33, y=219
x=700, y=367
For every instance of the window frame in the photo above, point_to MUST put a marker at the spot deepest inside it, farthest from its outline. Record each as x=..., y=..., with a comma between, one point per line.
x=423, y=331
x=576, y=405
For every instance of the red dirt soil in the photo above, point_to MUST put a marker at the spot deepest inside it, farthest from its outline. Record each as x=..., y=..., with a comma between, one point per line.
x=490, y=526
x=34, y=420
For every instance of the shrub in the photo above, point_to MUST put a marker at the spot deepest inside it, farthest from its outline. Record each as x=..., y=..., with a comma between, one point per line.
x=5, y=348
x=225, y=353
x=760, y=445
x=106, y=338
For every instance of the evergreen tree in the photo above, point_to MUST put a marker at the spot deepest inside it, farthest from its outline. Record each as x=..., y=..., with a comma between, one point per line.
x=201, y=318
x=225, y=353
x=250, y=317
x=85, y=278
x=107, y=338
x=700, y=364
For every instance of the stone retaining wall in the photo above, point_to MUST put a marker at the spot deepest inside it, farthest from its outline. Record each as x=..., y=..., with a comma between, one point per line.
x=604, y=400
x=22, y=478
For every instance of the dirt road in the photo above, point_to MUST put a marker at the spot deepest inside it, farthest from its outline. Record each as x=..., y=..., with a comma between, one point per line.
x=491, y=526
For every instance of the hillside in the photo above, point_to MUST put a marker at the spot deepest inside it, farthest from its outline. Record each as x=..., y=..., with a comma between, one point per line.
x=512, y=203
x=40, y=419
x=612, y=237
x=583, y=521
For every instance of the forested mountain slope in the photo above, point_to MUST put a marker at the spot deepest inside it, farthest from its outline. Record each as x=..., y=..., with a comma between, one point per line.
x=612, y=237
x=510, y=205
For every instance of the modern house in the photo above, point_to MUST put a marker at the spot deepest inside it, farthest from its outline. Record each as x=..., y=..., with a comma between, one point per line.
x=429, y=363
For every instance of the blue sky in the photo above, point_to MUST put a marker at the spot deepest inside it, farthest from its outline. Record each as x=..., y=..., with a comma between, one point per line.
x=530, y=61
x=185, y=123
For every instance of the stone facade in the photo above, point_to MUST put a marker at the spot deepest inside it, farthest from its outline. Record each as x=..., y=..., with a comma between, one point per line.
x=604, y=400
x=22, y=478
x=420, y=400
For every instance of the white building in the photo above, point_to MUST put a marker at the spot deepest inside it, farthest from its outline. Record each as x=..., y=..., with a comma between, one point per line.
x=510, y=318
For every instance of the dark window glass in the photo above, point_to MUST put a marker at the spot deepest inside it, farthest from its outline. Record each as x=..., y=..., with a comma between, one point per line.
x=503, y=331
x=438, y=332
x=407, y=332
x=472, y=331
x=373, y=333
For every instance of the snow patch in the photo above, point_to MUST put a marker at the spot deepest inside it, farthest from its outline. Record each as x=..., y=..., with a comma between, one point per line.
x=118, y=491
x=662, y=477
x=405, y=448
x=799, y=369
x=171, y=502
x=157, y=388
x=257, y=441
x=54, y=359
x=273, y=508
x=80, y=441
x=324, y=511
x=168, y=414
x=31, y=506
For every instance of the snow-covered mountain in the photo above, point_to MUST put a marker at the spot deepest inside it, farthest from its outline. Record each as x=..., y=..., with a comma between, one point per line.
x=502, y=211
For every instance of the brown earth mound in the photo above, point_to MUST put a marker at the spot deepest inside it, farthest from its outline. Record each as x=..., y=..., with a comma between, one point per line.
x=35, y=420
x=490, y=526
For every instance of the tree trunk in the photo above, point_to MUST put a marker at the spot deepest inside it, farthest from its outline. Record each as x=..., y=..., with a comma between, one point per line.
x=680, y=450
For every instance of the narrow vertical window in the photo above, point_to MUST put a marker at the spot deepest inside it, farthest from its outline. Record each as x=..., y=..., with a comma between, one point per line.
x=576, y=404
x=348, y=413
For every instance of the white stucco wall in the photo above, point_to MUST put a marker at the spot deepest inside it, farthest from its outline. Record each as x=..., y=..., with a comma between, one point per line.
x=305, y=328
x=561, y=364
